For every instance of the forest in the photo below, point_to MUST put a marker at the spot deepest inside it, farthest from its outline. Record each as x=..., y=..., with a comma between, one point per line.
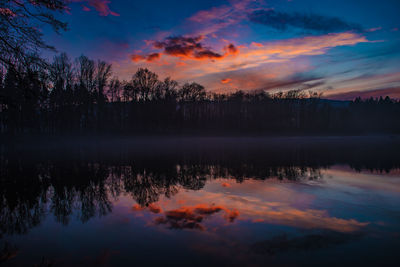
x=81, y=96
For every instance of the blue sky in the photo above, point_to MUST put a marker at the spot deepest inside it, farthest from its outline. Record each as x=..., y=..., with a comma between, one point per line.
x=342, y=48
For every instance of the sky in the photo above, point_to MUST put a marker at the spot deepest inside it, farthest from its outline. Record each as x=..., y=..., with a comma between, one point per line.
x=343, y=48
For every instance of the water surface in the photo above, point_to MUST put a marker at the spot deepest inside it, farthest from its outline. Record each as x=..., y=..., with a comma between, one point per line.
x=201, y=201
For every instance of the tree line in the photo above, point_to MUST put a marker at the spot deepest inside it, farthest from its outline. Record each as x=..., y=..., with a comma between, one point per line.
x=82, y=96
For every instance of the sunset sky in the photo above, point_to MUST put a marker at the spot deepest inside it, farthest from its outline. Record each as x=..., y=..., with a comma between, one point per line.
x=342, y=47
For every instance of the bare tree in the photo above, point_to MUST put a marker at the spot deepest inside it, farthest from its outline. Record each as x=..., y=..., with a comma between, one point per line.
x=145, y=82
x=61, y=73
x=166, y=90
x=86, y=68
x=20, y=28
x=192, y=92
x=103, y=73
x=115, y=90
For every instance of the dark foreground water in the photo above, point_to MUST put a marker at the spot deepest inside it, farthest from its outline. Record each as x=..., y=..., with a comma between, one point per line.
x=201, y=202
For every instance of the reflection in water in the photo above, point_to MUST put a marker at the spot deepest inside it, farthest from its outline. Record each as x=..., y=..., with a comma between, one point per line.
x=208, y=188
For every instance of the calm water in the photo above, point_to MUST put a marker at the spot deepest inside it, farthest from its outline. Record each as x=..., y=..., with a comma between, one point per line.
x=201, y=201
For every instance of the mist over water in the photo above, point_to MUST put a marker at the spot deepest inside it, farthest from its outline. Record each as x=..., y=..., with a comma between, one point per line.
x=180, y=201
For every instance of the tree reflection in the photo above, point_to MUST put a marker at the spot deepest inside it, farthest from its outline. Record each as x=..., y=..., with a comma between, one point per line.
x=83, y=183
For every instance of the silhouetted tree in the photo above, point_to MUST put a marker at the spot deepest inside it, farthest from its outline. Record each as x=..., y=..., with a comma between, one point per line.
x=192, y=92
x=145, y=82
x=80, y=97
x=20, y=33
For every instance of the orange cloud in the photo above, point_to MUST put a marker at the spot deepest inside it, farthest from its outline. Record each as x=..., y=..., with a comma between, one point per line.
x=149, y=58
x=154, y=208
x=225, y=185
x=137, y=207
x=232, y=215
x=137, y=58
x=181, y=63
x=278, y=206
x=153, y=57
x=189, y=217
x=257, y=44
x=231, y=50
x=225, y=81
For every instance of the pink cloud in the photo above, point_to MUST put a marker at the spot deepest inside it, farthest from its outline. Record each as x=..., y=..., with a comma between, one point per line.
x=386, y=84
x=102, y=6
x=215, y=19
x=85, y=8
x=374, y=29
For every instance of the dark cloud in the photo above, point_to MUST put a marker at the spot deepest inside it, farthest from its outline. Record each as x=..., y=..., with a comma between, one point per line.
x=153, y=56
x=186, y=47
x=296, y=82
x=188, y=217
x=313, y=22
x=231, y=49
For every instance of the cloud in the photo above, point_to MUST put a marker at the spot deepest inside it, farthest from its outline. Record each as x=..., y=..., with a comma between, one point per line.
x=153, y=57
x=313, y=22
x=367, y=85
x=149, y=58
x=137, y=58
x=216, y=19
x=253, y=67
x=102, y=6
x=188, y=217
x=153, y=208
x=232, y=215
x=374, y=29
x=231, y=49
x=391, y=92
x=256, y=44
x=185, y=48
x=211, y=14
x=253, y=80
x=269, y=52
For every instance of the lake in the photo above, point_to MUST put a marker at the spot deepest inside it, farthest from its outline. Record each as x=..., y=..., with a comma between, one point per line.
x=191, y=201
